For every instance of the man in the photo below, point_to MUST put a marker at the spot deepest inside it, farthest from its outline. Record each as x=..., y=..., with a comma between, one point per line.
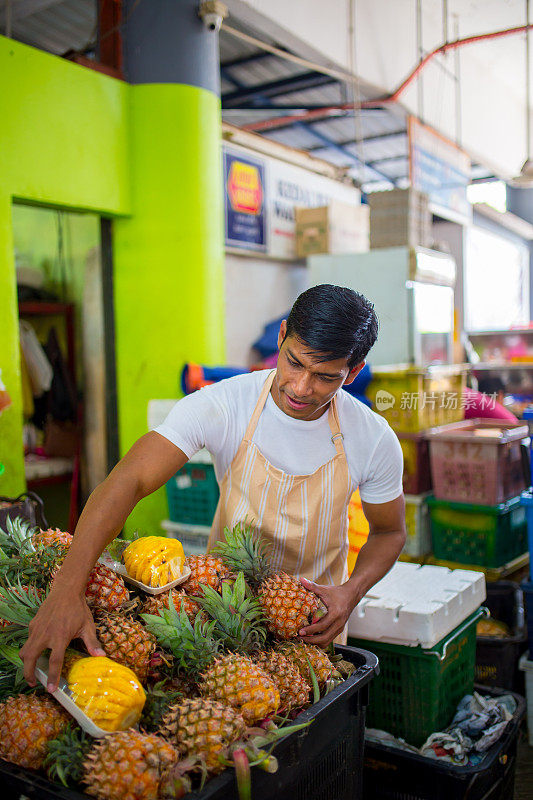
x=289, y=449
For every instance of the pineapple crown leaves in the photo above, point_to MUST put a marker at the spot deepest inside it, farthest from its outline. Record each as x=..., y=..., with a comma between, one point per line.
x=239, y=620
x=243, y=549
x=17, y=539
x=11, y=672
x=66, y=754
x=18, y=606
x=192, y=647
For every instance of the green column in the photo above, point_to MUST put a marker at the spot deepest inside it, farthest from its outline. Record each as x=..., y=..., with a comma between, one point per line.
x=169, y=256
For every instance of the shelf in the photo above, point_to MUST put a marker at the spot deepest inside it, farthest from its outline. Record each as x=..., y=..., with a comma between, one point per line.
x=34, y=308
x=488, y=366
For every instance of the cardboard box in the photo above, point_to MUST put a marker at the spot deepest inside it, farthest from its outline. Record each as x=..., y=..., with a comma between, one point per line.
x=400, y=218
x=335, y=228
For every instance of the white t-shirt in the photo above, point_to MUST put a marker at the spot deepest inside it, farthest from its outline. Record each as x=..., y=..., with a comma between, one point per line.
x=216, y=417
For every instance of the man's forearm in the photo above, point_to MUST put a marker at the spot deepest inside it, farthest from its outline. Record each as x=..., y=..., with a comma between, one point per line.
x=375, y=559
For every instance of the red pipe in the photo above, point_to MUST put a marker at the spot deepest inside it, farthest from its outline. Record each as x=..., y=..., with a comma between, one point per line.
x=321, y=113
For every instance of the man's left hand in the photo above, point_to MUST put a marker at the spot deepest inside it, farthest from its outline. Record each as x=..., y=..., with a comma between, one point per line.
x=339, y=601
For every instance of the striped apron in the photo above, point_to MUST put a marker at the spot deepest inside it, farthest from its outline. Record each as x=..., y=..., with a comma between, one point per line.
x=304, y=518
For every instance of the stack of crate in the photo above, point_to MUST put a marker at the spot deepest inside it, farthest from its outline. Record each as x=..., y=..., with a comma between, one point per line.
x=479, y=468
x=399, y=218
x=421, y=623
x=413, y=400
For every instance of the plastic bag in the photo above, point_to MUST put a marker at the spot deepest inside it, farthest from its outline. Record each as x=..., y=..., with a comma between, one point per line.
x=39, y=367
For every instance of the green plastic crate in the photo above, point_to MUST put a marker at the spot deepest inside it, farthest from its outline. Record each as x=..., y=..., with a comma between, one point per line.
x=417, y=691
x=192, y=494
x=488, y=536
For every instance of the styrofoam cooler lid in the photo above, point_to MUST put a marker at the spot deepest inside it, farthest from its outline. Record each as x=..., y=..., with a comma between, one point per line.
x=417, y=605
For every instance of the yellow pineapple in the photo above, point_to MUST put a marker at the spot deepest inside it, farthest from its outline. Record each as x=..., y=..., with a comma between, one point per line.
x=126, y=641
x=105, y=589
x=27, y=723
x=128, y=766
x=202, y=727
x=294, y=690
x=286, y=603
x=206, y=570
x=154, y=560
x=109, y=693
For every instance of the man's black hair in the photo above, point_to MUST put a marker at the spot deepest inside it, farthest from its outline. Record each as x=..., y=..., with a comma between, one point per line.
x=334, y=322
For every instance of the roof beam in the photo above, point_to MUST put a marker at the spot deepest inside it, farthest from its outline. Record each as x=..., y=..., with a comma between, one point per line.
x=293, y=83
x=25, y=8
x=238, y=62
x=369, y=139
x=332, y=145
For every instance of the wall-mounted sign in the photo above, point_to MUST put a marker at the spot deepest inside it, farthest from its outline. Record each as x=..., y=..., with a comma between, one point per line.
x=271, y=229
x=441, y=169
x=244, y=182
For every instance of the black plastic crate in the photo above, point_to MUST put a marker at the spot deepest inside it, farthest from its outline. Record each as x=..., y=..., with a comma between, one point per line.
x=497, y=659
x=322, y=762
x=392, y=774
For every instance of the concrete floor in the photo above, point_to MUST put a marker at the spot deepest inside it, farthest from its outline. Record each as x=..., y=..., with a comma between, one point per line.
x=524, y=768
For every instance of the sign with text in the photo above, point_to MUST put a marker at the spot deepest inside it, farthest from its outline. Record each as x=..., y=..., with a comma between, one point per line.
x=441, y=169
x=244, y=183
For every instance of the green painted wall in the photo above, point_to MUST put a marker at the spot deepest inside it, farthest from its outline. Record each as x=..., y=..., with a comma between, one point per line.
x=149, y=157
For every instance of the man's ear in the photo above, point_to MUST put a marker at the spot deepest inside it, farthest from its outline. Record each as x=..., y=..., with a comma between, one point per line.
x=353, y=373
x=282, y=332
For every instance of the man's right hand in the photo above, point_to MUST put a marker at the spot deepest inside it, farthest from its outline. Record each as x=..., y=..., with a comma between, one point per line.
x=60, y=619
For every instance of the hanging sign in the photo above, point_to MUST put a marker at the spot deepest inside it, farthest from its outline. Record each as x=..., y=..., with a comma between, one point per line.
x=245, y=217
x=441, y=169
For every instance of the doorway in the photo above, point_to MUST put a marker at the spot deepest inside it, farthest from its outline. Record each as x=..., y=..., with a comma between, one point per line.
x=64, y=286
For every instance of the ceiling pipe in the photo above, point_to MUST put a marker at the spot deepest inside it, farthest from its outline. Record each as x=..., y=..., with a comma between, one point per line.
x=380, y=102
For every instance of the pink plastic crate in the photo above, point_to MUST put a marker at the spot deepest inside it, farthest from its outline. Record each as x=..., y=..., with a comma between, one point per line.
x=478, y=461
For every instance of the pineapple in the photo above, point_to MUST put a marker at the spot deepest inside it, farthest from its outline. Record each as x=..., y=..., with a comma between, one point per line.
x=27, y=723
x=238, y=682
x=53, y=536
x=232, y=679
x=204, y=728
x=128, y=766
x=303, y=654
x=206, y=570
x=126, y=641
x=286, y=603
x=105, y=589
x=109, y=693
x=24, y=561
x=65, y=755
x=153, y=604
x=293, y=689
x=154, y=560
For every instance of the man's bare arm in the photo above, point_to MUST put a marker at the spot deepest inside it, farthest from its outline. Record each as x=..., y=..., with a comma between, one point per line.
x=64, y=615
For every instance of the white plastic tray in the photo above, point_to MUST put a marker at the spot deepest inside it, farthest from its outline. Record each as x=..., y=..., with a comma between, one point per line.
x=120, y=569
x=64, y=697
x=417, y=605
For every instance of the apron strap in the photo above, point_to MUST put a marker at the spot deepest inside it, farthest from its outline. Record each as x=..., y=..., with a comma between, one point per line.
x=252, y=425
x=334, y=426
x=333, y=416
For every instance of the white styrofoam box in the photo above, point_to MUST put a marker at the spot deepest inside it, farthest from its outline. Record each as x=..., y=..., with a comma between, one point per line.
x=527, y=666
x=193, y=537
x=417, y=605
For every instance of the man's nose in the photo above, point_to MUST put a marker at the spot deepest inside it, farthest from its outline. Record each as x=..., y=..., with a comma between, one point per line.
x=302, y=386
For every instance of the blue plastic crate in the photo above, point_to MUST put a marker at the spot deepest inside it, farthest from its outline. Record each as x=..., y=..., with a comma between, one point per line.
x=526, y=498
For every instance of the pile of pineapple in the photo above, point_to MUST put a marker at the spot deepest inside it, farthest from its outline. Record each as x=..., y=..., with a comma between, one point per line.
x=194, y=680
